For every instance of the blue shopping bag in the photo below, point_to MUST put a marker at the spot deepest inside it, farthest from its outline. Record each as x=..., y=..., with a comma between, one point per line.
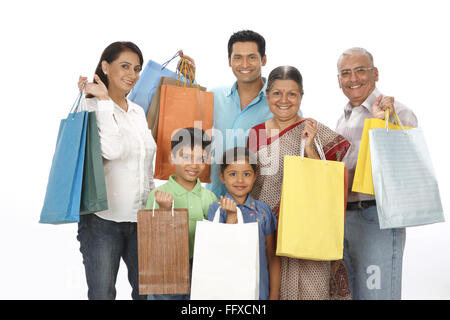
x=63, y=195
x=406, y=189
x=143, y=91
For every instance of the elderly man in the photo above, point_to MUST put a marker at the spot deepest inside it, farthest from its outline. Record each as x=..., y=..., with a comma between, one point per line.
x=373, y=256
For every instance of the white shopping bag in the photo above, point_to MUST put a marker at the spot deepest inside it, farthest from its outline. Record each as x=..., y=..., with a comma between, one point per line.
x=406, y=189
x=226, y=260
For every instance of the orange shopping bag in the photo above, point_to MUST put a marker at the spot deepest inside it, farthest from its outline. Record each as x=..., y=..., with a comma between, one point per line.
x=180, y=107
x=153, y=112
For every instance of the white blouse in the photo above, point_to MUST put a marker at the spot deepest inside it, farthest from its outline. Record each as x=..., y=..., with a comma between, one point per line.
x=128, y=148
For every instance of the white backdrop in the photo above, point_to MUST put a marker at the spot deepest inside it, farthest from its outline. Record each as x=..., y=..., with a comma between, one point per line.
x=46, y=45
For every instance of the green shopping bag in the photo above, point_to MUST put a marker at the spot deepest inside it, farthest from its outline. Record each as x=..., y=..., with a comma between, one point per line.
x=93, y=192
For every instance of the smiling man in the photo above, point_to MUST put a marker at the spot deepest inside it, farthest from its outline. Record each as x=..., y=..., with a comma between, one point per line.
x=243, y=105
x=373, y=256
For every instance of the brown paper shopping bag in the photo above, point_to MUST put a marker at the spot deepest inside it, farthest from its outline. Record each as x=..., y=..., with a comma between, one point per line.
x=163, y=251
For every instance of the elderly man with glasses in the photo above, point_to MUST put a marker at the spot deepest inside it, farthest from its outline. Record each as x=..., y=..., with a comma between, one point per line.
x=373, y=256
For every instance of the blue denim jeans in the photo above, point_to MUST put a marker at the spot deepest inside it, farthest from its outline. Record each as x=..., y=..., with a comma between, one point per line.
x=172, y=296
x=373, y=257
x=103, y=243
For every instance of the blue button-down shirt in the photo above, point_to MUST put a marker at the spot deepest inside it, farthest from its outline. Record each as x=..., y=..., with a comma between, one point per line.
x=232, y=126
x=254, y=211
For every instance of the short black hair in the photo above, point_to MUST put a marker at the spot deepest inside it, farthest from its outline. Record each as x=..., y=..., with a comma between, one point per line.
x=236, y=154
x=190, y=137
x=247, y=36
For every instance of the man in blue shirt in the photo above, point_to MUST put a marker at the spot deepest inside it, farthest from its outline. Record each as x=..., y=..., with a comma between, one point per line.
x=243, y=105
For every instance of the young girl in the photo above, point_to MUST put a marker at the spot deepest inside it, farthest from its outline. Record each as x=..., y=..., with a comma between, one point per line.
x=238, y=173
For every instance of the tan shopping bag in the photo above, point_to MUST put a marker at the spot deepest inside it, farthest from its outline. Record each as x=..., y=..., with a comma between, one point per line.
x=163, y=251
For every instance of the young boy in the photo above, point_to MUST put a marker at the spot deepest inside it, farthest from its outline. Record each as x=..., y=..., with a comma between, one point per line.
x=189, y=148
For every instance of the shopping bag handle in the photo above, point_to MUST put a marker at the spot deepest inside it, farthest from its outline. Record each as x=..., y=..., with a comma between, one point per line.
x=396, y=119
x=83, y=98
x=164, y=65
x=319, y=148
x=76, y=105
x=184, y=65
x=240, y=217
x=154, y=203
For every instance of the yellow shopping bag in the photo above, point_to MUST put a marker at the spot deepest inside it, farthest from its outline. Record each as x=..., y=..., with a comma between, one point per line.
x=311, y=219
x=362, y=181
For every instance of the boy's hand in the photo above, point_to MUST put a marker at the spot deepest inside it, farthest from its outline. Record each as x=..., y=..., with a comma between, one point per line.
x=163, y=199
x=229, y=205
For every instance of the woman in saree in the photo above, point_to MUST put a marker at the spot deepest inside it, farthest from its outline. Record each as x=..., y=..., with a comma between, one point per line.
x=271, y=141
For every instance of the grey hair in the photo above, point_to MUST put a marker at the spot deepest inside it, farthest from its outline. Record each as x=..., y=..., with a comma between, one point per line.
x=356, y=50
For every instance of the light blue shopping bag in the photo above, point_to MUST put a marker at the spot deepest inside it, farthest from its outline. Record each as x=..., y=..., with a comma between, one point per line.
x=406, y=189
x=63, y=195
x=144, y=90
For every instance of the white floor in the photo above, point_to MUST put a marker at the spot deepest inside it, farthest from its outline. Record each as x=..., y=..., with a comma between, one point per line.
x=44, y=262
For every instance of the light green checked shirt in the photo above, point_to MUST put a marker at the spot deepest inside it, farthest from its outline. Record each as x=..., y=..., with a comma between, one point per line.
x=197, y=201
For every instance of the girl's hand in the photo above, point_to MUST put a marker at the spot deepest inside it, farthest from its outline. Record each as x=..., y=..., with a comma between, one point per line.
x=229, y=205
x=163, y=199
x=98, y=89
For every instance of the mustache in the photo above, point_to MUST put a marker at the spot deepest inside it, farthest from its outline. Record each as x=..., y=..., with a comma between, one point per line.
x=356, y=83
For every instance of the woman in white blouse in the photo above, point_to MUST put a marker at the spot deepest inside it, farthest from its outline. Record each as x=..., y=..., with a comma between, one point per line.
x=128, y=149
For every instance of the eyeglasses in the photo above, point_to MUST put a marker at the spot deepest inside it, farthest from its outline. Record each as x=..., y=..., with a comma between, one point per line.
x=360, y=72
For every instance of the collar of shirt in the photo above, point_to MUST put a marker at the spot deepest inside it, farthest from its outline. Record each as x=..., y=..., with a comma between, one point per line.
x=262, y=93
x=132, y=107
x=249, y=203
x=366, y=104
x=179, y=190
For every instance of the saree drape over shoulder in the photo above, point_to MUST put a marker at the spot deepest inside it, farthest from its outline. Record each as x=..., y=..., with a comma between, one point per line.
x=300, y=279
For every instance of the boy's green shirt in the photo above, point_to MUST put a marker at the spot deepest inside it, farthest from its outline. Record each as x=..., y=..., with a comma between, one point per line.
x=197, y=201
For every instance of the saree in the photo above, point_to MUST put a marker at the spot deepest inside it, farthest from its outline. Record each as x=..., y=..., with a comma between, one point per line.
x=299, y=279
